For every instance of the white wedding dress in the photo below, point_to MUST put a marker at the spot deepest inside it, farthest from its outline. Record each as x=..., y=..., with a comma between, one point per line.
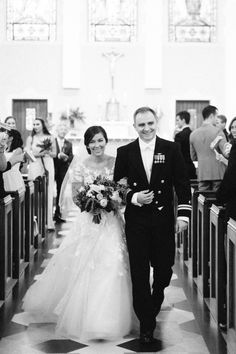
x=86, y=287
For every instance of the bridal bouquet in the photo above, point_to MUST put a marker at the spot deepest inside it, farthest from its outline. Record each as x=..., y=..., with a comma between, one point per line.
x=46, y=145
x=102, y=195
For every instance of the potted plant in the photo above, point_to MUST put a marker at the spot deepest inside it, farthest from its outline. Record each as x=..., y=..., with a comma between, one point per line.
x=76, y=117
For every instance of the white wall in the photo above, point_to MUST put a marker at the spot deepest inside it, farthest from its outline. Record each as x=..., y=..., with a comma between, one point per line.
x=188, y=71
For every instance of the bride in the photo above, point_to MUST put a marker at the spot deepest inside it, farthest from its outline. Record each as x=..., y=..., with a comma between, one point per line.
x=85, y=288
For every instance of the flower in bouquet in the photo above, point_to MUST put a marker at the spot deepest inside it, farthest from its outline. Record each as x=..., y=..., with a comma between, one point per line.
x=101, y=196
x=45, y=145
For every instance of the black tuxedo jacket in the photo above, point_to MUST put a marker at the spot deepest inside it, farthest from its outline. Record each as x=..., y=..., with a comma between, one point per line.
x=60, y=165
x=182, y=138
x=168, y=173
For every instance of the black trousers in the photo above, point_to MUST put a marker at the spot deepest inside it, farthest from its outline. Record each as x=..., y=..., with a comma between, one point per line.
x=59, y=179
x=151, y=243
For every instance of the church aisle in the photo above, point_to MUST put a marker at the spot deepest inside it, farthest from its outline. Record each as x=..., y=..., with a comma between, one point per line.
x=183, y=325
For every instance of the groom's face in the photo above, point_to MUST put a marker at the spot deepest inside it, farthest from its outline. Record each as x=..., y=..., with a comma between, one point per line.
x=146, y=126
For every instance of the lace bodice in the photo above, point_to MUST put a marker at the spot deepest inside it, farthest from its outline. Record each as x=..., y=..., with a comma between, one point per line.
x=84, y=174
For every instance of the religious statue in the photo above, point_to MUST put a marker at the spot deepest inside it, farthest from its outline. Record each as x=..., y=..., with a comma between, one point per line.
x=112, y=106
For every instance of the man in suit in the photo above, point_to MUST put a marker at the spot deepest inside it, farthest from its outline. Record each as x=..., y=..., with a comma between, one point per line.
x=152, y=166
x=210, y=170
x=61, y=163
x=182, y=138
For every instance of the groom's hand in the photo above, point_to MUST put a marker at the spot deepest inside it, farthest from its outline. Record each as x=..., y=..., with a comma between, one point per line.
x=145, y=197
x=181, y=225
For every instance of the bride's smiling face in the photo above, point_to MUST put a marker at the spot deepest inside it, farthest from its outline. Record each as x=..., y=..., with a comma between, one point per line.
x=97, y=145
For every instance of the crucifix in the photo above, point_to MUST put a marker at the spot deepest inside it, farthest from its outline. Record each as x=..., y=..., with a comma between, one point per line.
x=112, y=106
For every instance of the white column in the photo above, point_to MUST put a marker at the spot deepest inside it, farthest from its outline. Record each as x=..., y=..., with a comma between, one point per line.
x=72, y=13
x=153, y=44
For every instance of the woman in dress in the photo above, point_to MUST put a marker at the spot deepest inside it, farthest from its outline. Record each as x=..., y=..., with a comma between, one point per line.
x=13, y=179
x=85, y=288
x=44, y=154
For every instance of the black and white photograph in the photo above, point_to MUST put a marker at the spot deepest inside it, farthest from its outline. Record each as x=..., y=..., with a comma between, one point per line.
x=117, y=176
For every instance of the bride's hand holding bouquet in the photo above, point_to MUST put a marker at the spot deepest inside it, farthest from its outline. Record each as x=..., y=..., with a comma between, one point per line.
x=101, y=196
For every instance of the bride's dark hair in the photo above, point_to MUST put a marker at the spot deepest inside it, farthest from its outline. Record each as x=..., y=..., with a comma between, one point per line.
x=91, y=132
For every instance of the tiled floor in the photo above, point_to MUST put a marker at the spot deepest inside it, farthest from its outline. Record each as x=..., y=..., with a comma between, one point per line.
x=182, y=325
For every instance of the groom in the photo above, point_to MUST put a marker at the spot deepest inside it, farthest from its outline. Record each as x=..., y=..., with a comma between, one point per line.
x=153, y=167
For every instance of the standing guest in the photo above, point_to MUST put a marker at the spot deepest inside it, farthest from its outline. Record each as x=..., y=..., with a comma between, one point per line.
x=227, y=190
x=13, y=179
x=62, y=161
x=5, y=165
x=182, y=138
x=226, y=194
x=210, y=170
x=221, y=121
x=153, y=167
x=42, y=146
x=10, y=121
x=232, y=131
x=14, y=140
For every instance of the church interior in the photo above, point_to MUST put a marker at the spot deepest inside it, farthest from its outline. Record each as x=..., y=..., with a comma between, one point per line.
x=94, y=62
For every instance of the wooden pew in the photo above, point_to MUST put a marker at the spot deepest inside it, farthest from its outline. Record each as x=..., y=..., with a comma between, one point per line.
x=37, y=213
x=182, y=244
x=44, y=199
x=194, y=230
x=19, y=263
x=203, y=243
x=184, y=239
x=30, y=242
x=7, y=281
x=194, y=186
x=231, y=284
x=217, y=264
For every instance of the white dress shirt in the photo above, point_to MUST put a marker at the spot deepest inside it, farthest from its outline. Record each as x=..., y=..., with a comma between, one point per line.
x=147, y=153
x=60, y=143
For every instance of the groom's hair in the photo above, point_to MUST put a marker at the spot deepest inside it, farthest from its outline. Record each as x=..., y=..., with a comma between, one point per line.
x=144, y=110
x=91, y=132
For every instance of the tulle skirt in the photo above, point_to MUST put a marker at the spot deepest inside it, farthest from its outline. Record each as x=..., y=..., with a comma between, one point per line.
x=86, y=287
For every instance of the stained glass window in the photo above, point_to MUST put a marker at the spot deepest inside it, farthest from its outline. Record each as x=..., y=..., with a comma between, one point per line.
x=112, y=20
x=192, y=20
x=32, y=20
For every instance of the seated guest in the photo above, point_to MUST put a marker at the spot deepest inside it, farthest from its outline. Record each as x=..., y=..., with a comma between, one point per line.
x=62, y=161
x=182, y=137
